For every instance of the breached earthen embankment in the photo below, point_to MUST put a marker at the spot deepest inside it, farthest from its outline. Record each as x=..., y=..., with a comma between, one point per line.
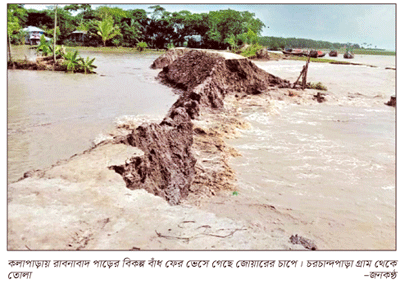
x=168, y=167
x=83, y=203
x=80, y=204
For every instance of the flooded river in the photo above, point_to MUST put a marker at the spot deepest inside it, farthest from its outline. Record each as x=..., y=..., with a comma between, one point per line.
x=332, y=165
x=54, y=115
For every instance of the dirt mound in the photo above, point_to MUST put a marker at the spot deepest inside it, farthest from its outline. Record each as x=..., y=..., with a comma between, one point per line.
x=168, y=58
x=240, y=75
x=207, y=77
x=168, y=167
x=392, y=101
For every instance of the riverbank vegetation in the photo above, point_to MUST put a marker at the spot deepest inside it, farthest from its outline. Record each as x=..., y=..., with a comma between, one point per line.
x=62, y=59
x=115, y=29
x=158, y=29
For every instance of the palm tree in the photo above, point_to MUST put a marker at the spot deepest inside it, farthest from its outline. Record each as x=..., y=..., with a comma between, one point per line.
x=107, y=30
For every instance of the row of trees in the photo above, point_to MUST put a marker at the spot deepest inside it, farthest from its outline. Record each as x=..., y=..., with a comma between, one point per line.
x=280, y=43
x=159, y=28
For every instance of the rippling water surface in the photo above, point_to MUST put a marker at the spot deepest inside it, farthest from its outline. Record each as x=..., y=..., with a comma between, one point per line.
x=54, y=115
x=332, y=164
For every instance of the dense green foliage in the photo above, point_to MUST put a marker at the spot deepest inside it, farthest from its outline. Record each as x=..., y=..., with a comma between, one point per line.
x=75, y=63
x=280, y=43
x=106, y=29
x=251, y=50
x=159, y=29
x=141, y=46
x=71, y=59
x=16, y=15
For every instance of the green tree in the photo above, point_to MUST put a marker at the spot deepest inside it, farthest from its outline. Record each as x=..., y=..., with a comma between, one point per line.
x=106, y=29
x=251, y=37
x=15, y=13
x=104, y=12
x=141, y=46
x=160, y=30
x=45, y=19
x=77, y=7
x=41, y=19
x=130, y=32
x=224, y=24
x=232, y=41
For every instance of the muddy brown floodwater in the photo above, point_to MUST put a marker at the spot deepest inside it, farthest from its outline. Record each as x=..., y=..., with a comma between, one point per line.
x=53, y=115
x=331, y=164
x=322, y=171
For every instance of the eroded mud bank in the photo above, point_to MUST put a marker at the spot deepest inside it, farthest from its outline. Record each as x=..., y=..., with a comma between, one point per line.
x=82, y=203
x=169, y=167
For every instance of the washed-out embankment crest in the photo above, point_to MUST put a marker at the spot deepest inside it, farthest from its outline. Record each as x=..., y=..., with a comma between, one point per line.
x=168, y=167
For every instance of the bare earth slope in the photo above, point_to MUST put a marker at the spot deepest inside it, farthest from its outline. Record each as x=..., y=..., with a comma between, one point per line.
x=167, y=168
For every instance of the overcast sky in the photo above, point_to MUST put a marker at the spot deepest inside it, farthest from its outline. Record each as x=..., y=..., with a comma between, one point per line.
x=369, y=23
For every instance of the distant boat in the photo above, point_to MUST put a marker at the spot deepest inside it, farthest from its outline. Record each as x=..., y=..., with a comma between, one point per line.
x=333, y=53
x=348, y=55
x=316, y=53
x=296, y=52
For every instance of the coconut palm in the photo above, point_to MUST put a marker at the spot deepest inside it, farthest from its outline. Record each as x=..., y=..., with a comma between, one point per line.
x=107, y=30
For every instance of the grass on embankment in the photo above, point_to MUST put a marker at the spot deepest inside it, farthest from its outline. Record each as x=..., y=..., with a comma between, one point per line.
x=113, y=49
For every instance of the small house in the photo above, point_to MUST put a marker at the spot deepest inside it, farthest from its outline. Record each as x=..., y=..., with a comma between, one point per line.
x=33, y=35
x=77, y=36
